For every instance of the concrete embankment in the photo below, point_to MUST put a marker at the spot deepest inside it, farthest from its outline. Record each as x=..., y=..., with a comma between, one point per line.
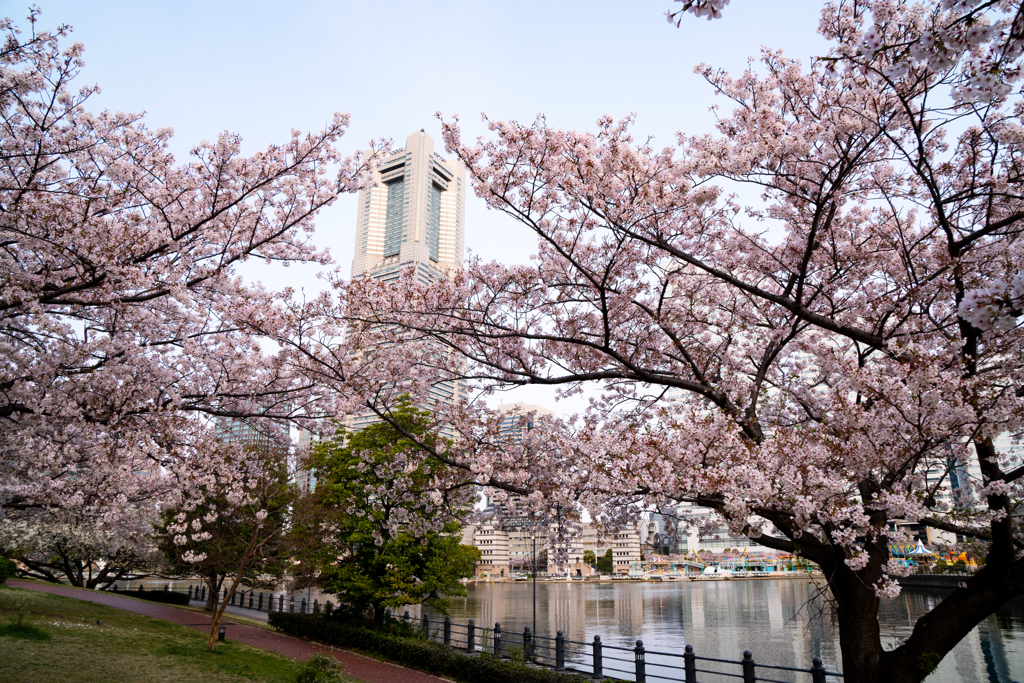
x=932, y=581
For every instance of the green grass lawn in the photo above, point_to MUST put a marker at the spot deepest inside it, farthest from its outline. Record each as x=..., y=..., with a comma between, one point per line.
x=66, y=645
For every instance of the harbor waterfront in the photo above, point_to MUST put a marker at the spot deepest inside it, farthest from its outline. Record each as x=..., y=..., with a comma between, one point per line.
x=779, y=620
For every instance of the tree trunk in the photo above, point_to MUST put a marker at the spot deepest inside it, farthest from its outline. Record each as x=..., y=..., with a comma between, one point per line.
x=242, y=566
x=218, y=613
x=213, y=582
x=859, y=631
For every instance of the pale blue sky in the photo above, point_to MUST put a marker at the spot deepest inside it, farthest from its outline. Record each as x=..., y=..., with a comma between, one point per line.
x=261, y=68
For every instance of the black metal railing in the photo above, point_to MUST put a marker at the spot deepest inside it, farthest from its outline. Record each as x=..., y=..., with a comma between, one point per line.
x=262, y=601
x=599, y=660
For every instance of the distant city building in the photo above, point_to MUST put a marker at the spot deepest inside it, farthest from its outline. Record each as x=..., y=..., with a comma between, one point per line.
x=304, y=478
x=626, y=548
x=507, y=550
x=240, y=431
x=518, y=418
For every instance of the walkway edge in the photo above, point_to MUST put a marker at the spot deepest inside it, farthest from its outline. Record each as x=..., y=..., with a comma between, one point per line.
x=353, y=664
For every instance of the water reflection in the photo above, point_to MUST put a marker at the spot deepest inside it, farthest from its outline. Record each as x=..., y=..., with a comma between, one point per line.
x=783, y=622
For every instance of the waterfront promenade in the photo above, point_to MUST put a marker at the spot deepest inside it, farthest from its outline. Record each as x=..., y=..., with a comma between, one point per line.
x=352, y=664
x=782, y=621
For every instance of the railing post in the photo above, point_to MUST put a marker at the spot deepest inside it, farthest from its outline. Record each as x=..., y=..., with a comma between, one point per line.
x=748, y=667
x=447, y=630
x=527, y=645
x=291, y=604
x=405, y=617
x=598, y=667
x=641, y=662
x=559, y=651
x=470, y=633
x=190, y=591
x=167, y=588
x=280, y=602
x=497, y=639
x=316, y=606
x=250, y=599
x=260, y=608
x=425, y=622
x=302, y=606
x=690, y=664
x=817, y=671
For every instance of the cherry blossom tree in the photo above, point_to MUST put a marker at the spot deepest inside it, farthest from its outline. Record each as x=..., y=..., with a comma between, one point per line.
x=124, y=326
x=812, y=367
x=233, y=528
x=60, y=545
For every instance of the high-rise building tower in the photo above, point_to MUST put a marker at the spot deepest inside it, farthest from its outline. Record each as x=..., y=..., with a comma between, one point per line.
x=414, y=215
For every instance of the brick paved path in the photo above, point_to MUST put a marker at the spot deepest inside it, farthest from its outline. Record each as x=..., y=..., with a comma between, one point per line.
x=352, y=664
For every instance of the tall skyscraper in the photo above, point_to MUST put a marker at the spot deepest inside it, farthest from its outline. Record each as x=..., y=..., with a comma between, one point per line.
x=414, y=215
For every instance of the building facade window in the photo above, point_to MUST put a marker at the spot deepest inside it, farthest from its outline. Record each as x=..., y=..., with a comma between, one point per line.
x=434, y=222
x=393, y=218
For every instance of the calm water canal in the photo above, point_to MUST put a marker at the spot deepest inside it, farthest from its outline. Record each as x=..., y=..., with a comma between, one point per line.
x=778, y=620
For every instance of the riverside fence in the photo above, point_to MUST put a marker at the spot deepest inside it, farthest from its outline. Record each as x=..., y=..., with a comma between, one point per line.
x=247, y=599
x=600, y=661
x=593, y=659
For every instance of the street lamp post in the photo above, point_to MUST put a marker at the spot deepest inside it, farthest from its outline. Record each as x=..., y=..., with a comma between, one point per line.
x=533, y=530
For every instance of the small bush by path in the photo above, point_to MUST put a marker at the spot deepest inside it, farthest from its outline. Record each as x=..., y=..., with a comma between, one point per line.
x=168, y=597
x=89, y=643
x=416, y=653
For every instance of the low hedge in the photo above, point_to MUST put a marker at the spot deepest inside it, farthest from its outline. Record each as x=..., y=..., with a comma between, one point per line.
x=169, y=597
x=420, y=654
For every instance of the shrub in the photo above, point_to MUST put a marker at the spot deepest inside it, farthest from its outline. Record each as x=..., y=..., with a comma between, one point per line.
x=319, y=669
x=169, y=597
x=7, y=569
x=414, y=652
x=23, y=632
x=18, y=628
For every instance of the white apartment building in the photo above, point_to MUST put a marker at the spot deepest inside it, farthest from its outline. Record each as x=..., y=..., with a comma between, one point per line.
x=506, y=550
x=492, y=541
x=626, y=547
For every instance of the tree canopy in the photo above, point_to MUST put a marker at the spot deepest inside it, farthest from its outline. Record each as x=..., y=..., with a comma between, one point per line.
x=815, y=367
x=390, y=538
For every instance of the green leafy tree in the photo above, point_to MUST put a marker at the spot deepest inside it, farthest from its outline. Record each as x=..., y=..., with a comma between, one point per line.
x=389, y=526
x=589, y=557
x=604, y=563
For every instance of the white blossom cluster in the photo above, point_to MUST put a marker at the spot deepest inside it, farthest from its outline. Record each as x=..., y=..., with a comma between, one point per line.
x=712, y=9
x=996, y=307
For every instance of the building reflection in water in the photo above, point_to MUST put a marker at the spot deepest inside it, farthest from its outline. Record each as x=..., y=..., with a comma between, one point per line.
x=783, y=622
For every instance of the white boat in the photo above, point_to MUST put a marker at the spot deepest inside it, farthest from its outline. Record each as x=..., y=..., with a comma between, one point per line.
x=716, y=572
